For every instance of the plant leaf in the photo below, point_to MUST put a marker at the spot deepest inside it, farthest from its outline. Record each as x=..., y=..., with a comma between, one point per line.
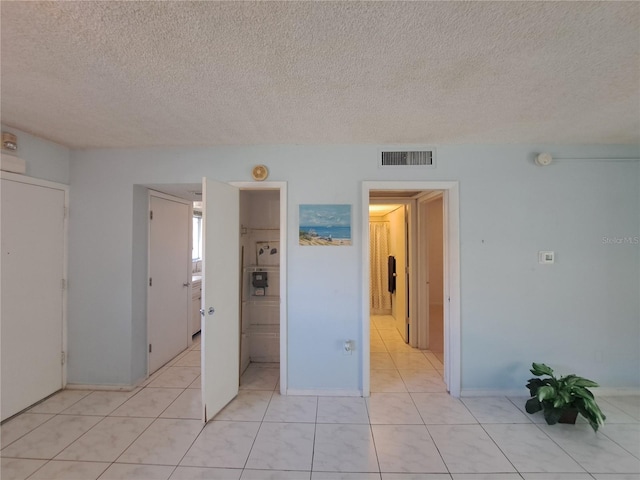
x=534, y=384
x=533, y=405
x=563, y=399
x=545, y=392
x=584, y=382
x=583, y=393
x=539, y=369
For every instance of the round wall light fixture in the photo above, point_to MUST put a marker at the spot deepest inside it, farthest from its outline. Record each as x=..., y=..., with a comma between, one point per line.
x=259, y=172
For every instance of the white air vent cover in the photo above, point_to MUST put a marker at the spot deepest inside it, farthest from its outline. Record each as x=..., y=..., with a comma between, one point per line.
x=407, y=158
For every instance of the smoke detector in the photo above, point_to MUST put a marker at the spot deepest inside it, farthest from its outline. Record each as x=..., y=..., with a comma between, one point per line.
x=543, y=159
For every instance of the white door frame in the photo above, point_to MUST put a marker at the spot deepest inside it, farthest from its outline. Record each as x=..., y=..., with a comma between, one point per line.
x=421, y=267
x=452, y=330
x=282, y=187
x=188, y=266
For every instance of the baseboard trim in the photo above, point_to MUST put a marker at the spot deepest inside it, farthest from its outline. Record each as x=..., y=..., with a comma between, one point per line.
x=523, y=392
x=107, y=388
x=480, y=392
x=325, y=393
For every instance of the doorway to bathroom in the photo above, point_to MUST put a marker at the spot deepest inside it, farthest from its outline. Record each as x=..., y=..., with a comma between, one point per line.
x=411, y=288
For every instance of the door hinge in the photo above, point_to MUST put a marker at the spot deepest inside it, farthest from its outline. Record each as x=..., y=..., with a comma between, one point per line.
x=63, y=284
x=150, y=348
x=63, y=358
x=150, y=214
x=150, y=282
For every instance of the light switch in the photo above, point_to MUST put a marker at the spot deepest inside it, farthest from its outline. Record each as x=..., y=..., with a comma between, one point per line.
x=546, y=257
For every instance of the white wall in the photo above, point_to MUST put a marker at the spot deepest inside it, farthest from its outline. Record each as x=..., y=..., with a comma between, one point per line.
x=581, y=314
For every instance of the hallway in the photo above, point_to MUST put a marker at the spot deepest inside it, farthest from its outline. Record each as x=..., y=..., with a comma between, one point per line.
x=398, y=367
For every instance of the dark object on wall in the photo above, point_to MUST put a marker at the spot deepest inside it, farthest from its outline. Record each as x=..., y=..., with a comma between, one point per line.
x=259, y=279
x=391, y=268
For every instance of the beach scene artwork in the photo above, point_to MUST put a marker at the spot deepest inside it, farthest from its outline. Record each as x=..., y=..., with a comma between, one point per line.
x=325, y=225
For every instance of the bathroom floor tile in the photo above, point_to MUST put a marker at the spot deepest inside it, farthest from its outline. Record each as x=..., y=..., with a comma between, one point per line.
x=423, y=381
x=387, y=381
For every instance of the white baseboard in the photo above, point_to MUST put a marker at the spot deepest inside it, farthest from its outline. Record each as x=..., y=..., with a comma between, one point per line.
x=325, y=393
x=108, y=388
x=481, y=392
x=524, y=392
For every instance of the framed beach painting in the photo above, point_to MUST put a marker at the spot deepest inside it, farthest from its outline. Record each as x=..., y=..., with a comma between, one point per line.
x=325, y=225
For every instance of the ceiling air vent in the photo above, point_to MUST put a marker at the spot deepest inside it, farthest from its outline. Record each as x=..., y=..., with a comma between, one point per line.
x=421, y=158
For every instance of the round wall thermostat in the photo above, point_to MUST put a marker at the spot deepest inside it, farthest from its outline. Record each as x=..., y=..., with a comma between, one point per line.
x=259, y=172
x=543, y=159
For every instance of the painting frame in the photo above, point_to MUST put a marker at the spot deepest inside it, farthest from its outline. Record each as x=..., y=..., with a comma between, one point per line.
x=325, y=225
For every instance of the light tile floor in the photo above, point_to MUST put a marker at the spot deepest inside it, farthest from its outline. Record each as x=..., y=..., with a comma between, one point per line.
x=409, y=429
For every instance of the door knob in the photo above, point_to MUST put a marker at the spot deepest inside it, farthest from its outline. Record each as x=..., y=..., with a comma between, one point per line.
x=202, y=312
x=186, y=284
x=211, y=310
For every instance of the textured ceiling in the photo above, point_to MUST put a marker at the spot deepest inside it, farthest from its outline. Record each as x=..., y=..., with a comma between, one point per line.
x=104, y=74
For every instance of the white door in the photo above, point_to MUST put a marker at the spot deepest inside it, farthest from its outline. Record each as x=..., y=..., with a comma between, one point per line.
x=220, y=296
x=169, y=296
x=33, y=237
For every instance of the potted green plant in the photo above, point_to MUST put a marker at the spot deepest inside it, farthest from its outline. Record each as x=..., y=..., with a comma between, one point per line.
x=561, y=399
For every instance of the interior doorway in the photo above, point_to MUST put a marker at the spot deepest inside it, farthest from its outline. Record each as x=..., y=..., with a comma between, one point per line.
x=414, y=316
x=170, y=272
x=270, y=324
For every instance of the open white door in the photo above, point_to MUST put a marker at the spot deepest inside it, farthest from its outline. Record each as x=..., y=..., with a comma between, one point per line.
x=220, y=296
